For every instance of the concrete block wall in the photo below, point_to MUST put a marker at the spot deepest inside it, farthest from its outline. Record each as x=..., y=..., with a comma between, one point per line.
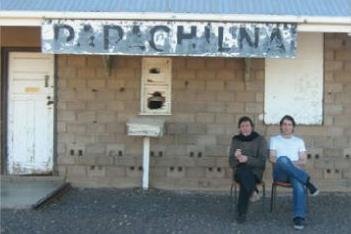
x=329, y=145
x=333, y=142
x=93, y=108
x=209, y=95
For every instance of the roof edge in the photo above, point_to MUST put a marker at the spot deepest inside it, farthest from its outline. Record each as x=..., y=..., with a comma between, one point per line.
x=34, y=18
x=179, y=16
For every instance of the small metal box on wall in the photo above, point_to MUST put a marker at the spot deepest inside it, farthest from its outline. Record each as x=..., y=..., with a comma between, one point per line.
x=156, y=86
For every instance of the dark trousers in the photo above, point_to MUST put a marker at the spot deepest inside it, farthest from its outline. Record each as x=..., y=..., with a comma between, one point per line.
x=247, y=180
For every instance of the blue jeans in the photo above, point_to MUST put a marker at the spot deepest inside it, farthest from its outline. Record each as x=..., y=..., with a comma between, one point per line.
x=285, y=171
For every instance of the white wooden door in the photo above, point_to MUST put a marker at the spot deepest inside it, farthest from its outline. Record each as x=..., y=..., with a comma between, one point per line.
x=30, y=113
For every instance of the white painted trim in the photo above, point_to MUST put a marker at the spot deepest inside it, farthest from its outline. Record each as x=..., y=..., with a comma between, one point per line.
x=326, y=28
x=30, y=22
x=305, y=23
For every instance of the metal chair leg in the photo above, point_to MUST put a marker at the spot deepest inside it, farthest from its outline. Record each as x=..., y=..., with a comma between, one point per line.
x=231, y=190
x=273, y=193
x=307, y=205
x=263, y=196
x=235, y=194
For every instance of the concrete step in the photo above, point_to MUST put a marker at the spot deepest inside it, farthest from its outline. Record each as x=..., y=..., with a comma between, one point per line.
x=30, y=192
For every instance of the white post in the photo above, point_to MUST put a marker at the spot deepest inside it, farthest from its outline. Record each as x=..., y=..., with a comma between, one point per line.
x=146, y=159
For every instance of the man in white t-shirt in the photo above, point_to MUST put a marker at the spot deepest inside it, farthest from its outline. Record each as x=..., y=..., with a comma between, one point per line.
x=288, y=155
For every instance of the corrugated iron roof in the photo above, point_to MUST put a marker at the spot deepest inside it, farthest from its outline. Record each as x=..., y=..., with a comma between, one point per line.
x=328, y=8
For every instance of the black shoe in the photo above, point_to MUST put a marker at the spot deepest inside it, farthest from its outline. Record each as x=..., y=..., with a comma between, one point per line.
x=299, y=223
x=313, y=190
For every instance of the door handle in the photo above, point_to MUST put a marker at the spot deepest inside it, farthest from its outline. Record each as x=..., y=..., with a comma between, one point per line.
x=50, y=103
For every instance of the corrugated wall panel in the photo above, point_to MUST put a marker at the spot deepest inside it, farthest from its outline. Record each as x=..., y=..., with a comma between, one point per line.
x=266, y=7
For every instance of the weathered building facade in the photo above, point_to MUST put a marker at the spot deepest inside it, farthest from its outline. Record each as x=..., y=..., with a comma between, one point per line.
x=94, y=96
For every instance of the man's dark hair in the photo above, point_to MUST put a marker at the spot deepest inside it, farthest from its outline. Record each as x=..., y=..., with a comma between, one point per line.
x=287, y=117
x=245, y=119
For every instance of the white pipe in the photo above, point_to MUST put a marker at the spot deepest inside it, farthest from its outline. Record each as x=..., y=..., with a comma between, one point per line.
x=305, y=23
x=326, y=28
x=146, y=162
x=174, y=16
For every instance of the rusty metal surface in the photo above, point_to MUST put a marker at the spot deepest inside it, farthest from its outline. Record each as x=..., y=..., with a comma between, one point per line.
x=169, y=38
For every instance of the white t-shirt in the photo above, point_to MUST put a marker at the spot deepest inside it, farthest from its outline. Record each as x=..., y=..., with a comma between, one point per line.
x=290, y=147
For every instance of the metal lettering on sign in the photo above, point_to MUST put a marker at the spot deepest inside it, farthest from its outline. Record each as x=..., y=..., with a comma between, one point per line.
x=169, y=38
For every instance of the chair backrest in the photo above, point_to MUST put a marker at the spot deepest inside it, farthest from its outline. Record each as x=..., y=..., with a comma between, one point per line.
x=282, y=184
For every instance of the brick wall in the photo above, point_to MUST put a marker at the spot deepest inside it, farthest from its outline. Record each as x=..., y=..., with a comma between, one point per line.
x=209, y=95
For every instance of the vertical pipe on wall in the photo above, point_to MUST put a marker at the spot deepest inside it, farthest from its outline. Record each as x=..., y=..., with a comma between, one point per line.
x=146, y=162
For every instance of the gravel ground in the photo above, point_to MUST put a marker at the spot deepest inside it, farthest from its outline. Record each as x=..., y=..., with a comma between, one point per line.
x=157, y=211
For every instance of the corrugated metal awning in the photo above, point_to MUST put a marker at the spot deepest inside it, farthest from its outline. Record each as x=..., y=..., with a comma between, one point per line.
x=330, y=8
x=310, y=15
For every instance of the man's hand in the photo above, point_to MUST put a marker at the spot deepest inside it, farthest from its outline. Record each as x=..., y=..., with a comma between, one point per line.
x=302, y=160
x=237, y=153
x=240, y=157
x=243, y=159
x=272, y=156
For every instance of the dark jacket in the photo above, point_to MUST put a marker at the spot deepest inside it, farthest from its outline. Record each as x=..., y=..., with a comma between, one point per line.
x=257, y=153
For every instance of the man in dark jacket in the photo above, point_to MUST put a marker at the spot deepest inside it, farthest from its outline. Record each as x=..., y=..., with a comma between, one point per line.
x=247, y=156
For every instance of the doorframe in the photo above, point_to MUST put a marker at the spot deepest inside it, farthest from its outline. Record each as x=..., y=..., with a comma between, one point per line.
x=5, y=54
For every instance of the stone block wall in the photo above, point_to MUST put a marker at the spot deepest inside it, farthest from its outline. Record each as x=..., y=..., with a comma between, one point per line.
x=209, y=95
x=333, y=142
x=329, y=145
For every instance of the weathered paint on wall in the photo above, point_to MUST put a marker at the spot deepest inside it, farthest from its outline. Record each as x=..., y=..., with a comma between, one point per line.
x=295, y=86
x=169, y=38
x=30, y=113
